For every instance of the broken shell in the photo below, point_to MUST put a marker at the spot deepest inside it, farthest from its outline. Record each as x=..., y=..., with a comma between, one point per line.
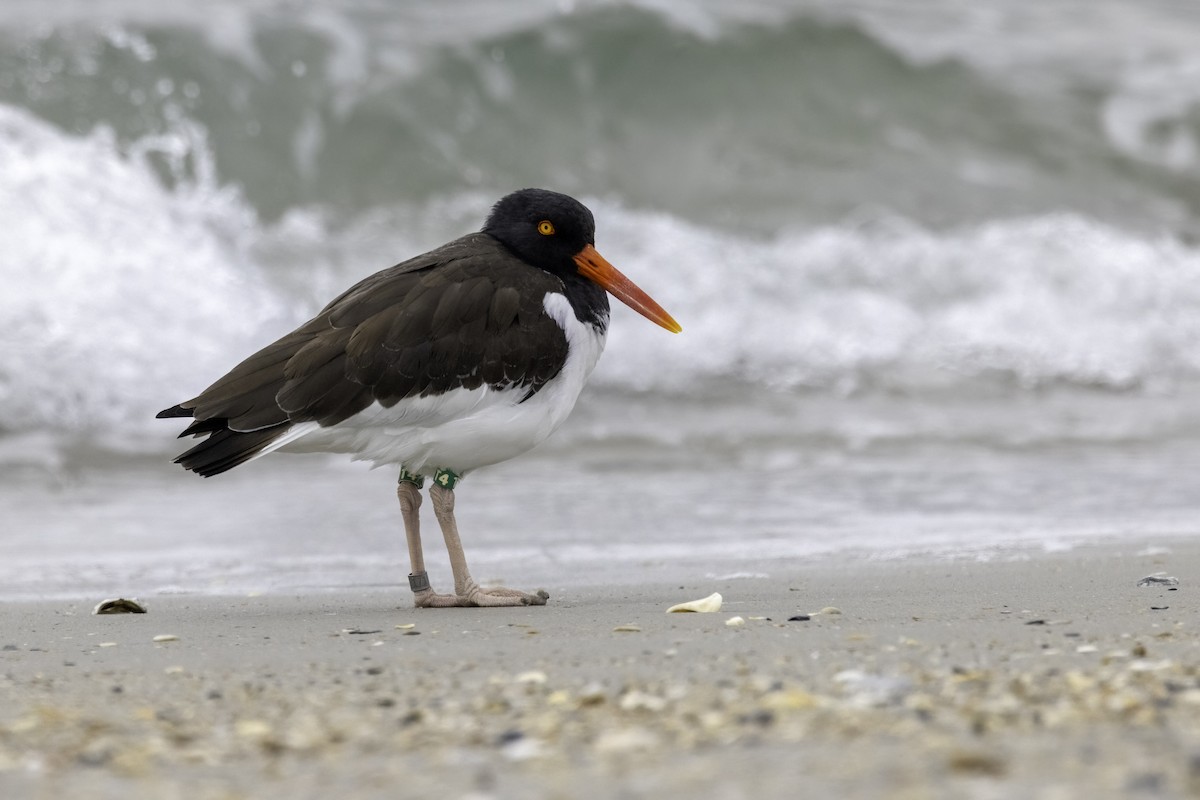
x=1159, y=579
x=830, y=610
x=734, y=622
x=252, y=728
x=636, y=700
x=627, y=629
x=119, y=605
x=166, y=637
x=704, y=606
x=406, y=626
x=627, y=740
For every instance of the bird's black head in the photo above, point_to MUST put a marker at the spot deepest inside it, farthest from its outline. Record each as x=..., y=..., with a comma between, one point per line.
x=542, y=228
x=557, y=233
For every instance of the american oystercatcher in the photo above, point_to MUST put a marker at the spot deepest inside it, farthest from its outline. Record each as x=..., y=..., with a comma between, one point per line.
x=465, y=356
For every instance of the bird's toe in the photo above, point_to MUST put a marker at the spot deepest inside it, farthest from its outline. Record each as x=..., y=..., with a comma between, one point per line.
x=538, y=598
x=498, y=596
x=429, y=599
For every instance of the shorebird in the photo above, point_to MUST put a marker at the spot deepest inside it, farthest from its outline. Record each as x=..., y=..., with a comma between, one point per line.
x=466, y=356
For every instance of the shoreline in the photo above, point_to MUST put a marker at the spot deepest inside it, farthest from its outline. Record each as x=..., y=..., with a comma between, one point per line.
x=1051, y=676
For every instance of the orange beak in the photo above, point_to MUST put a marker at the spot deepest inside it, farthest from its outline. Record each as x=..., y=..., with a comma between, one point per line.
x=594, y=267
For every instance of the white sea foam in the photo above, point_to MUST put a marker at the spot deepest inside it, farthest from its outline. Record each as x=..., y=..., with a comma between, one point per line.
x=117, y=291
x=1057, y=298
x=137, y=267
x=124, y=296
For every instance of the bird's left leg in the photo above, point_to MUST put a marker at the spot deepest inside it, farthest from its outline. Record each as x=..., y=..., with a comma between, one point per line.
x=409, y=491
x=469, y=592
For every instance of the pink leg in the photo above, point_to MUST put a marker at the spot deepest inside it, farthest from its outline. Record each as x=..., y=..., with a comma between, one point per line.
x=410, y=506
x=468, y=591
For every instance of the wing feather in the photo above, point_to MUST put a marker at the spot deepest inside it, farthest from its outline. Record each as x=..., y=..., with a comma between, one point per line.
x=465, y=315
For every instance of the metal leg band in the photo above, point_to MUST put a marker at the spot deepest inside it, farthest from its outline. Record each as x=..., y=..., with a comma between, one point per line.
x=419, y=582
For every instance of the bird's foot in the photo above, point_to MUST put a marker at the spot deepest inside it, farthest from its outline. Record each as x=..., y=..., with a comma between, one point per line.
x=431, y=599
x=484, y=598
x=500, y=596
x=473, y=595
x=425, y=597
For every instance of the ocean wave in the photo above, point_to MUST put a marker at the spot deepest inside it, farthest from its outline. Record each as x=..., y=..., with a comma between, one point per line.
x=755, y=119
x=114, y=285
x=1029, y=301
x=828, y=200
x=123, y=296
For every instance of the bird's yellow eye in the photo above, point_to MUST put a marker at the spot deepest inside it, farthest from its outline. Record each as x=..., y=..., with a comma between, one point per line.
x=546, y=228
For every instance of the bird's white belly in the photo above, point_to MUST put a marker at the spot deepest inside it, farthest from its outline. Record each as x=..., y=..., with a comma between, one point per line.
x=463, y=429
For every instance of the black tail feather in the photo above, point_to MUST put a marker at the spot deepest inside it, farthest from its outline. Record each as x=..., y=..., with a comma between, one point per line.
x=203, y=426
x=225, y=449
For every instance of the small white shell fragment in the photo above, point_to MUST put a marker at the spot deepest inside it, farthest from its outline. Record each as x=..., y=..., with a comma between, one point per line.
x=107, y=644
x=734, y=622
x=532, y=676
x=166, y=637
x=252, y=728
x=641, y=701
x=627, y=629
x=523, y=749
x=626, y=740
x=830, y=610
x=406, y=626
x=119, y=605
x=706, y=605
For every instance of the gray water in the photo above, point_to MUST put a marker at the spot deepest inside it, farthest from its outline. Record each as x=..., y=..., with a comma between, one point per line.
x=937, y=269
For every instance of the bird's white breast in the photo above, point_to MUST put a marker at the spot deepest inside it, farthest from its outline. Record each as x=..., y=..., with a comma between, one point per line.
x=463, y=429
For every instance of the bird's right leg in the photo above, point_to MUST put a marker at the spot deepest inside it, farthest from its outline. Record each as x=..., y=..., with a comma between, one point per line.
x=469, y=592
x=409, y=492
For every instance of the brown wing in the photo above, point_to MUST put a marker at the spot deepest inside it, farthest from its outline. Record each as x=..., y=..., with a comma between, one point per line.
x=464, y=315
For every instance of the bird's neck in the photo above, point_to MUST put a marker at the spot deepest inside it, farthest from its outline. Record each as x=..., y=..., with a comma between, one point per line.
x=589, y=301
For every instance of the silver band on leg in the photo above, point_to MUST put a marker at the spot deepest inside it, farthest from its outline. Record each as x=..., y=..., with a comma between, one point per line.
x=419, y=582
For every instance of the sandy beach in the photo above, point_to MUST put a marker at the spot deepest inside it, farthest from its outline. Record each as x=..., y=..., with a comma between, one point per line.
x=1050, y=676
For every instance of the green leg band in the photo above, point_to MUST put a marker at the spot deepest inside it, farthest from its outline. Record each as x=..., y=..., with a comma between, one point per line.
x=407, y=477
x=446, y=478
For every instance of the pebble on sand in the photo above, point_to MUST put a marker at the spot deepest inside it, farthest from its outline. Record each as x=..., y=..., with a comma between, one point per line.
x=1159, y=579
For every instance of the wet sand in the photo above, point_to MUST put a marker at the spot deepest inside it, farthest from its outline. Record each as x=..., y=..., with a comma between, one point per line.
x=1054, y=676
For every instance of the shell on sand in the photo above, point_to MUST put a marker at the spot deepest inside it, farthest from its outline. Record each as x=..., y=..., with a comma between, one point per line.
x=119, y=605
x=703, y=606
